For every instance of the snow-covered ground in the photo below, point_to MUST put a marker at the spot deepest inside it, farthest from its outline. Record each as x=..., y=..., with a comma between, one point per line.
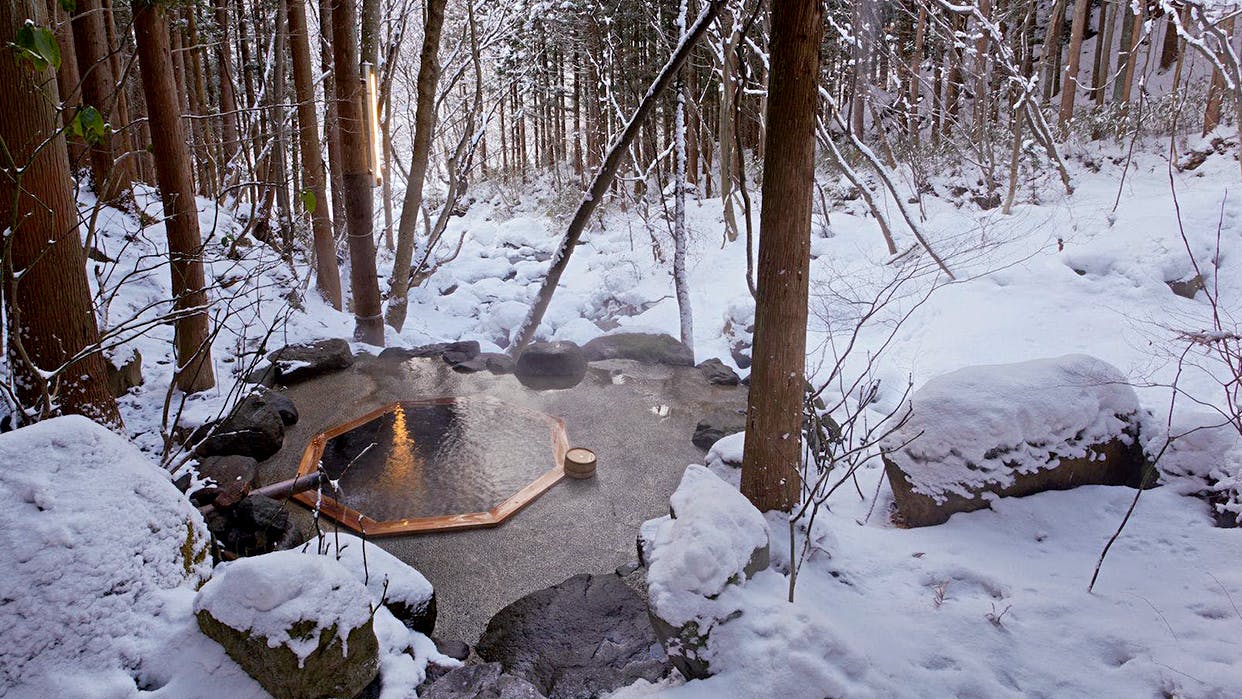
x=879, y=611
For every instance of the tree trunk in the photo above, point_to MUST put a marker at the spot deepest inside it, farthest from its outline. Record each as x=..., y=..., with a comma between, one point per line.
x=194, y=370
x=327, y=276
x=49, y=318
x=68, y=77
x=1217, y=90
x=773, y=452
x=228, y=96
x=679, y=213
x=331, y=122
x=359, y=203
x=1051, y=58
x=1069, y=82
x=1130, y=37
x=424, y=124
x=110, y=174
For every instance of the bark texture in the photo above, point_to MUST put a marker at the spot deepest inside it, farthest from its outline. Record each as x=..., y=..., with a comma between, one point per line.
x=327, y=277
x=772, y=456
x=194, y=370
x=356, y=181
x=48, y=312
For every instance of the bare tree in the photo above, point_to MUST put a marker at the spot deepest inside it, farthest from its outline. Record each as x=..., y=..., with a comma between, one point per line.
x=424, y=125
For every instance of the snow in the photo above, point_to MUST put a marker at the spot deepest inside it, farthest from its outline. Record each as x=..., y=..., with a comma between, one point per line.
x=881, y=611
x=984, y=424
x=267, y=595
x=387, y=578
x=705, y=545
x=91, y=535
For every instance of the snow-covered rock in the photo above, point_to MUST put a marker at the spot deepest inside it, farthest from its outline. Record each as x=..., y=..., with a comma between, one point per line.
x=91, y=534
x=712, y=538
x=301, y=626
x=1012, y=429
x=389, y=580
x=297, y=363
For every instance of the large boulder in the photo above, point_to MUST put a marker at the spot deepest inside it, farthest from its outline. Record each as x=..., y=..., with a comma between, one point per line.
x=301, y=626
x=95, y=539
x=255, y=428
x=651, y=348
x=712, y=538
x=483, y=681
x=297, y=363
x=389, y=580
x=551, y=365
x=984, y=432
x=585, y=637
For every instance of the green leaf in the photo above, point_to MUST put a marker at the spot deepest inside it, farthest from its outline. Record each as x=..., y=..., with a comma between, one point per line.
x=89, y=125
x=69, y=6
x=37, y=45
x=309, y=202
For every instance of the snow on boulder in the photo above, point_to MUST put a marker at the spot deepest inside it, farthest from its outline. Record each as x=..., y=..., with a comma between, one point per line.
x=300, y=625
x=712, y=538
x=1012, y=429
x=401, y=588
x=91, y=533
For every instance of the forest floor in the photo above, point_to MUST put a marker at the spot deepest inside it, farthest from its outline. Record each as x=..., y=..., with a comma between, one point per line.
x=884, y=611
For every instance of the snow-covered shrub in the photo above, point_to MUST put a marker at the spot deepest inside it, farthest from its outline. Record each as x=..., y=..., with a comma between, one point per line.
x=712, y=538
x=91, y=532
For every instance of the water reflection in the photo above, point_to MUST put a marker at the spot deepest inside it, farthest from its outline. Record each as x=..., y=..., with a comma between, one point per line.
x=433, y=459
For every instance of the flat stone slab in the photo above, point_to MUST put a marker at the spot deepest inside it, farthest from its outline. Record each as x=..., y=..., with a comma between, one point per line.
x=635, y=417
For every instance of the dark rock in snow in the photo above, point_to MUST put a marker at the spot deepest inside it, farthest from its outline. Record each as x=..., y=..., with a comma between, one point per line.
x=258, y=524
x=643, y=347
x=486, y=681
x=124, y=372
x=254, y=428
x=716, y=426
x=457, y=650
x=741, y=355
x=498, y=363
x=551, y=365
x=284, y=407
x=470, y=366
x=1187, y=288
x=718, y=373
x=229, y=469
x=453, y=353
x=584, y=637
x=297, y=363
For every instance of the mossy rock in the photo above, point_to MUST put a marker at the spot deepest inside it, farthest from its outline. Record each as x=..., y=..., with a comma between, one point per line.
x=332, y=669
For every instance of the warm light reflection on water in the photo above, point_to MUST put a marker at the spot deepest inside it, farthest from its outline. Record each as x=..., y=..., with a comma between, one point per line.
x=404, y=467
